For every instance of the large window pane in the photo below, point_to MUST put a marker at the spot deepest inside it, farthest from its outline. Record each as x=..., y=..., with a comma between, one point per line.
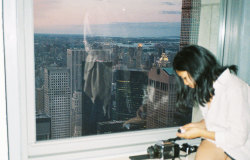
x=106, y=66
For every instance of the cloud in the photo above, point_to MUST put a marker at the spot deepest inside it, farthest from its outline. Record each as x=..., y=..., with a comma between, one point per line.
x=170, y=12
x=168, y=3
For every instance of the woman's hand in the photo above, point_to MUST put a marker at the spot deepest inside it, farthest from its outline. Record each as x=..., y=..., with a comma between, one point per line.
x=191, y=132
x=195, y=130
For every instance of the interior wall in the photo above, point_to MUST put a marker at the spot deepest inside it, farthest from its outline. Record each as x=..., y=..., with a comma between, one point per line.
x=3, y=121
x=244, y=60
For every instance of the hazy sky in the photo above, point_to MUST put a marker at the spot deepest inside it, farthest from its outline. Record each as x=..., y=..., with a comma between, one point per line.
x=108, y=17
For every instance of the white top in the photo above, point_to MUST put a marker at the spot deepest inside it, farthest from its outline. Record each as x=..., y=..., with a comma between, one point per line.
x=229, y=115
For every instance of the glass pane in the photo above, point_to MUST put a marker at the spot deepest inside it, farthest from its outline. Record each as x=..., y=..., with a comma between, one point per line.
x=105, y=66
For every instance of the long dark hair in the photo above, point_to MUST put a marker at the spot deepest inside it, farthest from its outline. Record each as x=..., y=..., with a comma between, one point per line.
x=203, y=67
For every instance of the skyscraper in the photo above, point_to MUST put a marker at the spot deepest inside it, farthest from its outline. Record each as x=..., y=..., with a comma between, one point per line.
x=162, y=98
x=135, y=57
x=57, y=98
x=138, y=56
x=132, y=59
x=130, y=87
x=74, y=63
x=190, y=21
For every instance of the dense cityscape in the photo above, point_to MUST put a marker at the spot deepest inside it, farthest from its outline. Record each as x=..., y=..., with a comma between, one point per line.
x=96, y=87
x=89, y=85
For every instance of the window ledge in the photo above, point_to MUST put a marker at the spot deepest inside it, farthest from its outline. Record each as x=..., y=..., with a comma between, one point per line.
x=103, y=146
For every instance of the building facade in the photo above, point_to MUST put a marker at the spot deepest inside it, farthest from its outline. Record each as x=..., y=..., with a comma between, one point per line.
x=74, y=63
x=190, y=21
x=162, y=97
x=57, y=98
x=39, y=100
x=130, y=87
x=76, y=115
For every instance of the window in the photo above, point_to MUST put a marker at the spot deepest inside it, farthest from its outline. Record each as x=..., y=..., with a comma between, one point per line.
x=98, y=54
x=20, y=76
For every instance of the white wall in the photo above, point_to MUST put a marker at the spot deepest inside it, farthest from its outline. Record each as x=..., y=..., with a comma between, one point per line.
x=244, y=61
x=3, y=122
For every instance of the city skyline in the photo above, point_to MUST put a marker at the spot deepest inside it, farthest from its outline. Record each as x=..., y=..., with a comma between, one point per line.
x=87, y=112
x=108, y=17
x=97, y=93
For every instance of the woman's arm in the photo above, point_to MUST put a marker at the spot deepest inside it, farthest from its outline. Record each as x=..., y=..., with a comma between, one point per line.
x=208, y=135
x=195, y=130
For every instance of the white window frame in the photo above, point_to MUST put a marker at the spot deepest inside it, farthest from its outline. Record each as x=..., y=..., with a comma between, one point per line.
x=18, y=29
x=3, y=106
x=18, y=39
x=19, y=74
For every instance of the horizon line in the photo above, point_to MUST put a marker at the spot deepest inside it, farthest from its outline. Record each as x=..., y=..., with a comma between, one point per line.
x=79, y=34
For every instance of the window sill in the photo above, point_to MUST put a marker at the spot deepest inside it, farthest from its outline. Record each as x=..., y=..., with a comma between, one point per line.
x=103, y=147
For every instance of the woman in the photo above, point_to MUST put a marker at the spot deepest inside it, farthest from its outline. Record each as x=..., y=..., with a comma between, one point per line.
x=224, y=101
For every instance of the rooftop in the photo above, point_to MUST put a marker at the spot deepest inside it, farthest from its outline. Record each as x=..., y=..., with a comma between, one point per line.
x=169, y=71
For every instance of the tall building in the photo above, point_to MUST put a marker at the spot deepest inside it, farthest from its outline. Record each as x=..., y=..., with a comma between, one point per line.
x=115, y=55
x=74, y=63
x=135, y=57
x=190, y=21
x=132, y=59
x=57, y=98
x=39, y=100
x=76, y=115
x=162, y=97
x=139, y=56
x=130, y=88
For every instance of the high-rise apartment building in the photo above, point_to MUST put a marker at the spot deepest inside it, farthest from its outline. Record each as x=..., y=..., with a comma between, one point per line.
x=162, y=97
x=190, y=21
x=57, y=98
